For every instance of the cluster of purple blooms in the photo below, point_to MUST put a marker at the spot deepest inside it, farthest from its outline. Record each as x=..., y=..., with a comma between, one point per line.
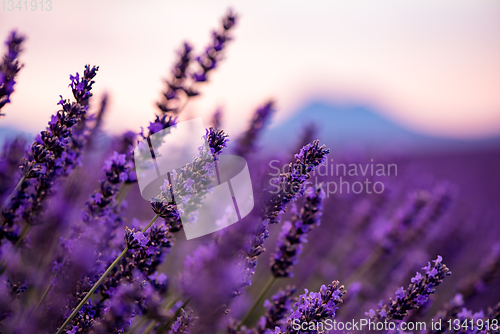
x=9, y=67
x=76, y=259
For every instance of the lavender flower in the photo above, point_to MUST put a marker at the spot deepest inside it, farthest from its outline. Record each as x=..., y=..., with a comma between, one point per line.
x=290, y=185
x=177, y=83
x=294, y=233
x=246, y=144
x=309, y=157
x=277, y=310
x=121, y=306
x=248, y=258
x=214, y=52
x=160, y=123
x=102, y=204
x=314, y=307
x=139, y=266
x=415, y=296
x=9, y=67
x=192, y=181
x=183, y=323
x=50, y=157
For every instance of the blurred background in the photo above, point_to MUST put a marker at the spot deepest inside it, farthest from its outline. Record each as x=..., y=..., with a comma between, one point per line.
x=368, y=70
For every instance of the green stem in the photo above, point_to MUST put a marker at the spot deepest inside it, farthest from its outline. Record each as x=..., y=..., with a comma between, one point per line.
x=101, y=279
x=48, y=289
x=123, y=193
x=176, y=314
x=259, y=299
x=24, y=232
x=7, y=201
x=150, y=327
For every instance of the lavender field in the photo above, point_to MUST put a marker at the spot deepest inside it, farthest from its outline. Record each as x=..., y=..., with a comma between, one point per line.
x=342, y=238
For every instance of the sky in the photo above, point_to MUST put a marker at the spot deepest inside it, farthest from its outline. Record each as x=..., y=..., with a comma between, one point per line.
x=432, y=66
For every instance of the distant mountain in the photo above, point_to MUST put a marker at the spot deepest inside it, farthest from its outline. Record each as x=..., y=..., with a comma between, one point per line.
x=11, y=133
x=341, y=125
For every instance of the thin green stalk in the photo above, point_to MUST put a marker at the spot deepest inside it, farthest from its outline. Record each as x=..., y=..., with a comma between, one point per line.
x=150, y=327
x=24, y=232
x=176, y=314
x=101, y=279
x=48, y=289
x=7, y=201
x=137, y=325
x=123, y=193
x=259, y=299
x=44, y=295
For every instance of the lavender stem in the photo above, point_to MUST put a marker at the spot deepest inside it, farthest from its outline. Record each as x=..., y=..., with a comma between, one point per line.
x=101, y=279
x=176, y=314
x=24, y=232
x=7, y=201
x=268, y=286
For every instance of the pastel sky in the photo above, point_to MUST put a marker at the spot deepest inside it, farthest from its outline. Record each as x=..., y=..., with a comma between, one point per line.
x=433, y=66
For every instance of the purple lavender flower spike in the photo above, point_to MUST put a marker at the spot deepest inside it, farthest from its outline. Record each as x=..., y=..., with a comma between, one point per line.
x=214, y=52
x=101, y=208
x=160, y=123
x=138, y=266
x=183, y=323
x=309, y=157
x=248, y=258
x=191, y=182
x=277, y=310
x=294, y=233
x=176, y=84
x=121, y=306
x=315, y=307
x=290, y=185
x=246, y=144
x=9, y=67
x=415, y=296
x=52, y=155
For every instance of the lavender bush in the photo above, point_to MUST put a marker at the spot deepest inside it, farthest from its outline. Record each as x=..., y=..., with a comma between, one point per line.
x=80, y=254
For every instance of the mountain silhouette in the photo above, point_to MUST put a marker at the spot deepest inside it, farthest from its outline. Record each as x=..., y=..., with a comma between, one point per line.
x=360, y=125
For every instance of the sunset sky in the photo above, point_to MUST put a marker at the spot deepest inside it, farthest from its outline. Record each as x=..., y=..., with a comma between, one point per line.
x=433, y=66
